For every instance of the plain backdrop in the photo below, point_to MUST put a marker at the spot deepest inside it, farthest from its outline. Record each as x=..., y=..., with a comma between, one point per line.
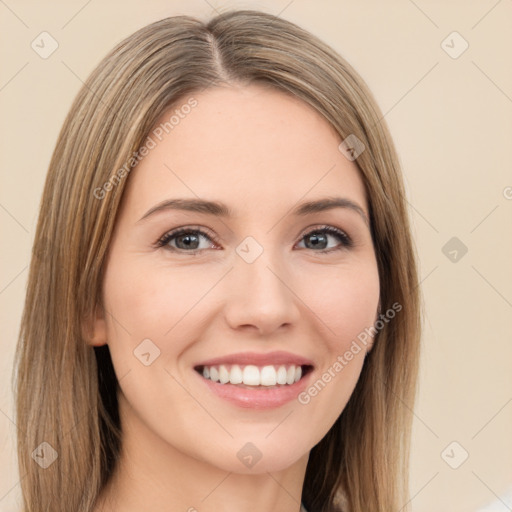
x=449, y=109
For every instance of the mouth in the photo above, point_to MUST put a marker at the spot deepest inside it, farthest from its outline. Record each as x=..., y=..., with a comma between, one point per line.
x=254, y=377
x=256, y=381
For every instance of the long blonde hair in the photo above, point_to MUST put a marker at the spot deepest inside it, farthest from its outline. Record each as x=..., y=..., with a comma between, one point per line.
x=66, y=389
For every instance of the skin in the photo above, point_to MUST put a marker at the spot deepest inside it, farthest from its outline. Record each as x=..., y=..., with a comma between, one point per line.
x=261, y=152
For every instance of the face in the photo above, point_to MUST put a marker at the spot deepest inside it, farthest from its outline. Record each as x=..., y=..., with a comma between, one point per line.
x=256, y=291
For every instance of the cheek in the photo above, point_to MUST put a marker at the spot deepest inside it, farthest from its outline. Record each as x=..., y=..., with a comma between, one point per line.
x=157, y=303
x=344, y=300
x=152, y=320
x=345, y=305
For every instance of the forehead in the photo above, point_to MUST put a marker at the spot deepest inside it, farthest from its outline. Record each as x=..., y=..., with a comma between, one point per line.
x=249, y=146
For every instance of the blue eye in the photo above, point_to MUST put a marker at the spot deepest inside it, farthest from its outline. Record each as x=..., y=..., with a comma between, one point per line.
x=189, y=240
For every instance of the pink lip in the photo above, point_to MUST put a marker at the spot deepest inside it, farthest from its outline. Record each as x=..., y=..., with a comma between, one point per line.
x=258, y=359
x=259, y=397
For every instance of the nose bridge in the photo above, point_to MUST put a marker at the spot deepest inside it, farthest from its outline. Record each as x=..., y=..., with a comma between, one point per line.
x=259, y=292
x=263, y=276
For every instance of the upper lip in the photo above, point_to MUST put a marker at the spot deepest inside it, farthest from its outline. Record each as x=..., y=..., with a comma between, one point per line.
x=258, y=359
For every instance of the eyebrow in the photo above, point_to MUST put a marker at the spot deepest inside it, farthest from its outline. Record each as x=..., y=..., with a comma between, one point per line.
x=222, y=210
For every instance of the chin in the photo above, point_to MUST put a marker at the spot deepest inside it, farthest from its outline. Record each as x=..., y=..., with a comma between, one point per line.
x=259, y=455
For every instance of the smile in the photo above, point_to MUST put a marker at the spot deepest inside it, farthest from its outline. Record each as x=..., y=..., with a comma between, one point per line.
x=256, y=381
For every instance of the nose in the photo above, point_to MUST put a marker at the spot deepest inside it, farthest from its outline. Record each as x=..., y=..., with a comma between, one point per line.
x=260, y=296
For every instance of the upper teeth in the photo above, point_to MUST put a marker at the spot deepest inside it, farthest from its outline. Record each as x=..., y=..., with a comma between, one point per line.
x=251, y=375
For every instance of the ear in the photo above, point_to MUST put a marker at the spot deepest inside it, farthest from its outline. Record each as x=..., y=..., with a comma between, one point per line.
x=95, y=328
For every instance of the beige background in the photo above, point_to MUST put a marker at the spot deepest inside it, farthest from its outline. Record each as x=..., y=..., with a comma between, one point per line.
x=451, y=119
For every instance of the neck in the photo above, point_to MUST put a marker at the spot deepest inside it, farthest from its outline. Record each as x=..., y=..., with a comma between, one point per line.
x=153, y=475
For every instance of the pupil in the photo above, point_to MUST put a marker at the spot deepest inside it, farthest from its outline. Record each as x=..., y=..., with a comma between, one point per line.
x=187, y=242
x=317, y=239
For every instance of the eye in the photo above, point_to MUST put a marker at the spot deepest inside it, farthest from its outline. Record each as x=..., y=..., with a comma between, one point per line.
x=185, y=239
x=319, y=239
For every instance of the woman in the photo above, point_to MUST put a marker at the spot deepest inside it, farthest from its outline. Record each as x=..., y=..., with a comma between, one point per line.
x=222, y=310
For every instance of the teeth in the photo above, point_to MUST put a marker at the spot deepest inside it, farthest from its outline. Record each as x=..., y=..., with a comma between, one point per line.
x=252, y=375
x=281, y=375
x=236, y=376
x=268, y=376
x=214, y=374
x=223, y=374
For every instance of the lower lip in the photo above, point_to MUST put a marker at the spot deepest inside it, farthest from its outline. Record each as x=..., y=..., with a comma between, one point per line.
x=258, y=397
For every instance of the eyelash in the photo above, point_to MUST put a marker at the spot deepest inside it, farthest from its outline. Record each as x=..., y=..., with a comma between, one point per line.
x=346, y=241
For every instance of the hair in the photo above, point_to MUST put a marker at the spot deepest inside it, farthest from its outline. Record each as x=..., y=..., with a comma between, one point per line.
x=66, y=390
